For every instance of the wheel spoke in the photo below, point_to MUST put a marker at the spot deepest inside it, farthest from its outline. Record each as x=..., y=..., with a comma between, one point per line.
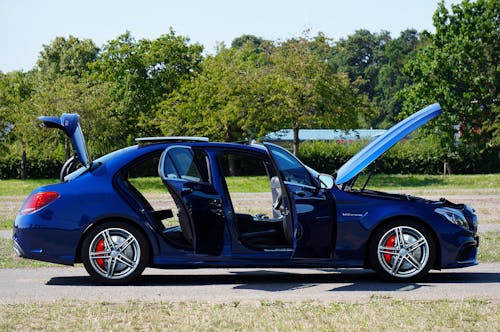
x=398, y=260
x=125, y=244
x=416, y=264
x=108, y=240
x=388, y=250
x=125, y=260
x=417, y=244
x=111, y=267
x=100, y=255
x=400, y=240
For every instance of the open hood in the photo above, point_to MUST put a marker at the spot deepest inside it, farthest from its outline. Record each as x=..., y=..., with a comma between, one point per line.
x=384, y=142
x=69, y=124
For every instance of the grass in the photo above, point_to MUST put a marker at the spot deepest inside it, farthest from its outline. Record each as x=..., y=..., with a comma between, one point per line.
x=378, y=314
x=261, y=183
x=8, y=259
x=415, y=182
x=6, y=223
x=22, y=187
x=489, y=247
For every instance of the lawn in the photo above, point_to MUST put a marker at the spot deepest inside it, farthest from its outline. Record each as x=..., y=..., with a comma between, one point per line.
x=377, y=314
x=489, y=182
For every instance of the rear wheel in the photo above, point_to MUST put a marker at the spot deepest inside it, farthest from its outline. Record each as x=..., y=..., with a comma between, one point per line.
x=402, y=251
x=115, y=253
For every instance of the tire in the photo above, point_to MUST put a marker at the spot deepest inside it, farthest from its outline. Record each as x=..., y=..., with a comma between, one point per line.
x=403, y=260
x=115, y=253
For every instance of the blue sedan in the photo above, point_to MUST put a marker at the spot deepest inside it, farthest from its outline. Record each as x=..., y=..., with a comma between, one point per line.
x=99, y=216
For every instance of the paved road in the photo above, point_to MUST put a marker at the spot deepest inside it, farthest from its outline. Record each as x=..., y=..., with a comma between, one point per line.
x=222, y=285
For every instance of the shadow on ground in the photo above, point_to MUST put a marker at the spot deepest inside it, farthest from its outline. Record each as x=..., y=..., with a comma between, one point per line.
x=276, y=281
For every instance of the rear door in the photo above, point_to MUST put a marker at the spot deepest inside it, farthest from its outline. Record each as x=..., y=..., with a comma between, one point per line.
x=312, y=208
x=185, y=173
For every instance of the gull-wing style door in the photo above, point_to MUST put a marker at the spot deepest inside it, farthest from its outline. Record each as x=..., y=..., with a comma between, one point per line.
x=384, y=142
x=69, y=124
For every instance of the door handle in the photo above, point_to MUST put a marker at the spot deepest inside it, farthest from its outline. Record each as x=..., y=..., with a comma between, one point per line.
x=300, y=193
x=186, y=191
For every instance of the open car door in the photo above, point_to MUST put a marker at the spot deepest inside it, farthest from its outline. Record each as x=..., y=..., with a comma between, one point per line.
x=312, y=208
x=185, y=174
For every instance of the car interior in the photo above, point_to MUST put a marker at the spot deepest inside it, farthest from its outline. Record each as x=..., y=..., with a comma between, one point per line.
x=259, y=226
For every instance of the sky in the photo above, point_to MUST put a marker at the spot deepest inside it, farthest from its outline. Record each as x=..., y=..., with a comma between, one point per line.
x=27, y=25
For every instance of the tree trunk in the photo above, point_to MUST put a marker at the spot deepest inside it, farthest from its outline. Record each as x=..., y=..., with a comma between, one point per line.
x=296, y=140
x=23, y=161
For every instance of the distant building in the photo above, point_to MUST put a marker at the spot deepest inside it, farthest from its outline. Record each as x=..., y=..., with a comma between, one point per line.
x=340, y=136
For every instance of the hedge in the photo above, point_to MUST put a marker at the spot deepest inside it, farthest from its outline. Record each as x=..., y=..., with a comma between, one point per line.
x=409, y=157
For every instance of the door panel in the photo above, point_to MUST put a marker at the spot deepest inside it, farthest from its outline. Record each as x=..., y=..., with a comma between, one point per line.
x=185, y=174
x=312, y=208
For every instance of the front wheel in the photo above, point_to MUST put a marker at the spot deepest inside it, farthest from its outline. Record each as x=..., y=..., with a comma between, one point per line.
x=402, y=251
x=115, y=253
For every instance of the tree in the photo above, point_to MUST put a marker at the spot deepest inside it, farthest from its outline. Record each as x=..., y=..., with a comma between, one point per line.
x=459, y=69
x=390, y=78
x=17, y=118
x=225, y=101
x=142, y=72
x=67, y=56
x=311, y=94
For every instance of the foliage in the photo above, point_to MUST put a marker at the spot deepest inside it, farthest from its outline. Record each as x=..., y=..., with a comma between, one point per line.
x=409, y=157
x=459, y=68
x=148, y=87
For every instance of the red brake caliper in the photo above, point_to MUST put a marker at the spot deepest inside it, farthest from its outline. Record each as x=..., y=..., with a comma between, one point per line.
x=390, y=243
x=100, y=247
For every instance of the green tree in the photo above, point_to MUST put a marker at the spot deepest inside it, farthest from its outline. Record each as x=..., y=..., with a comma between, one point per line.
x=459, y=68
x=311, y=94
x=17, y=117
x=142, y=72
x=225, y=101
x=67, y=56
x=390, y=78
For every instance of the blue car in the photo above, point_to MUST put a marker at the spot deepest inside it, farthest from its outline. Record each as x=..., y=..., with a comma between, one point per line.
x=99, y=216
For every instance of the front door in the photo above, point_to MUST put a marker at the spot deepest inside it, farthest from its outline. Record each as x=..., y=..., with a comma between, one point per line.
x=185, y=173
x=312, y=208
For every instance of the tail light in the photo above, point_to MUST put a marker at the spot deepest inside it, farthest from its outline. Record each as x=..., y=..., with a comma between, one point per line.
x=38, y=200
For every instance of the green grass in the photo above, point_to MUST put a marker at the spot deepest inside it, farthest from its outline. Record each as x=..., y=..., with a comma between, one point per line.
x=489, y=247
x=22, y=187
x=6, y=223
x=8, y=258
x=474, y=181
x=377, y=314
x=261, y=183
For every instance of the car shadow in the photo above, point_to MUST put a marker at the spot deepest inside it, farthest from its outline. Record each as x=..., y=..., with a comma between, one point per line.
x=277, y=281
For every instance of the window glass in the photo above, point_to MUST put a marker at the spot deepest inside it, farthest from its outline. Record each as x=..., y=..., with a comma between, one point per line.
x=291, y=169
x=183, y=163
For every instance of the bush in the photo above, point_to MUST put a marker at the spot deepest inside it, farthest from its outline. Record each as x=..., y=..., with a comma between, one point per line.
x=408, y=157
x=10, y=168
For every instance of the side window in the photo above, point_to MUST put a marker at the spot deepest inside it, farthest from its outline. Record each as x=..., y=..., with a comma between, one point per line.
x=183, y=163
x=291, y=169
x=245, y=173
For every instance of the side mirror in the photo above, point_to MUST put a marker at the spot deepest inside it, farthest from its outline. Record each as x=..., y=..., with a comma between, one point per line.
x=326, y=181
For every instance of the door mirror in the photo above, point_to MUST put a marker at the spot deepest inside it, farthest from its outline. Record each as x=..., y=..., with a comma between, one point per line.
x=326, y=181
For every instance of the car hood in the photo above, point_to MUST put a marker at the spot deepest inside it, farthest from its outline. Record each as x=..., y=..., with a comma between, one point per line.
x=384, y=142
x=69, y=124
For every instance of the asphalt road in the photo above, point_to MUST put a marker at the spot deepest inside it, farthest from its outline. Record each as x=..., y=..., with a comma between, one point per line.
x=227, y=285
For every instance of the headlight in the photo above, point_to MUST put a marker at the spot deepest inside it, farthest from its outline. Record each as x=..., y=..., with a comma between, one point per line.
x=453, y=215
